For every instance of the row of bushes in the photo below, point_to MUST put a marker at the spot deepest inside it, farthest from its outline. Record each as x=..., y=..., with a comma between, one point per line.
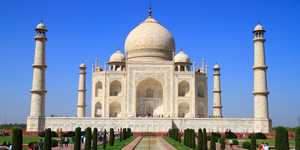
x=91, y=138
x=189, y=136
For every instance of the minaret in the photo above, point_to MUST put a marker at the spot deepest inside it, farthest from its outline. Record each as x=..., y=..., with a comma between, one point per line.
x=81, y=91
x=260, y=90
x=38, y=91
x=217, y=105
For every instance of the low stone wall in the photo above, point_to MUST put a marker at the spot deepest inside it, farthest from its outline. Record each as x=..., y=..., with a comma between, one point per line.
x=241, y=125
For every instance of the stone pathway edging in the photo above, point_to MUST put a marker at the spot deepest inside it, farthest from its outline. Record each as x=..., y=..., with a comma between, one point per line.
x=166, y=145
x=133, y=144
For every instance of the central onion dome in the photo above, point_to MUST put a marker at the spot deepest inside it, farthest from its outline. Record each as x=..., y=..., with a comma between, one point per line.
x=149, y=41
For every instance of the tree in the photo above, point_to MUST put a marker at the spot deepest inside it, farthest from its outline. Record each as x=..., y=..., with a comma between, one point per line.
x=213, y=143
x=281, y=138
x=124, y=134
x=121, y=135
x=253, y=143
x=200, y=139
x=193, y=136
x=111, y=137
x=94, y=140
x=17, y=139
x=104, y=139
x=48, y=136
x=88, y=138
x=77, y=144
x=297, y=138
x=222, y=142
x=204, y=139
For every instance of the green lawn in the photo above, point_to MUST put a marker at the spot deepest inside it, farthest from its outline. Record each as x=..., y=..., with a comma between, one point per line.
x=26, y=139
x=176, y=144
x=118, y=145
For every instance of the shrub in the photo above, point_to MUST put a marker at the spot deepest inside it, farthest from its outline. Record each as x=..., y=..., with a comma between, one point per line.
x=54, y=143
x=121, y=135
x=124, y=133
x=69, y=134
x=213, y=143
x=17, y=139
x=54, y=134
x=246, y=145
x=204, y=139
x=111, y=137
x=222, y=142
x=258, y=135
x=235, y=142
x=253, y=143
x=88, y=138
x=200, y=140
x=230, y=135
x=77, y=142
x=105, y=139
x=281, y=139
x=94, y=142
x=216, y=135
x=297, y=138
x=48, y=138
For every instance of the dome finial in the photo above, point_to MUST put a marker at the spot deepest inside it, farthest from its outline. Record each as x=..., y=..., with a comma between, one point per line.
x=150, y=9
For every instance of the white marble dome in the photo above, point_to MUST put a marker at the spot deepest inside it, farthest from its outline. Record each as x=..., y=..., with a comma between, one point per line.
x=259, y=27
x=216, y=66
x=181, y=57
x=82, y=65
x=149, y=41
x=41, y=26
x=117, y=57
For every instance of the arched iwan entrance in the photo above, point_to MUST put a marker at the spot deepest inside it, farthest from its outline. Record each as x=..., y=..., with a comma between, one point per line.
x=114, y=109
x=149, y=94
x=183, y=110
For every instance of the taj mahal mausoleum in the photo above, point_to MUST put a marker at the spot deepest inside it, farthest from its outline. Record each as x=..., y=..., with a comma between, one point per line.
x=150, y=86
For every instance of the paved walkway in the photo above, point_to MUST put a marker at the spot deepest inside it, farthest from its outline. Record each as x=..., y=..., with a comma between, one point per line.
x=154, y=143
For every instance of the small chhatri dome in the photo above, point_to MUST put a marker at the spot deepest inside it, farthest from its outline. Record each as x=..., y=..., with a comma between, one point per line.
x=41, y=26
x=181, y=57
x=117, y=57
x=82, y=65
x=149, y=41
x=259, y=27
x=216, y=66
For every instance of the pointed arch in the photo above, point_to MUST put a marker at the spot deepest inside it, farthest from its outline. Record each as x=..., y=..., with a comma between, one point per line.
x=115, y=88
x=98, y=88
x=183, y=89
x=98, y=109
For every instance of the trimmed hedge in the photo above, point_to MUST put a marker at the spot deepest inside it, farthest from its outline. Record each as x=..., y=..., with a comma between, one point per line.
x=77, y=142
x=204, y=140
x=297, y=138
x=111, y=137
x=258, y=135
x=94, y=139
x=253, y=143
x=189, y=138
x=230, y=135
x=281, y=138
x=247, y=145
x=222, y=142
x=17, y=139
x=88, y=138
x=200, y=139
x=104, y=139
x=213, y=143
x=48, y=137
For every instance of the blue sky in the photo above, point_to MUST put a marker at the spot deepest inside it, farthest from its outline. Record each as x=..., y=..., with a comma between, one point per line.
x=219, y=31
